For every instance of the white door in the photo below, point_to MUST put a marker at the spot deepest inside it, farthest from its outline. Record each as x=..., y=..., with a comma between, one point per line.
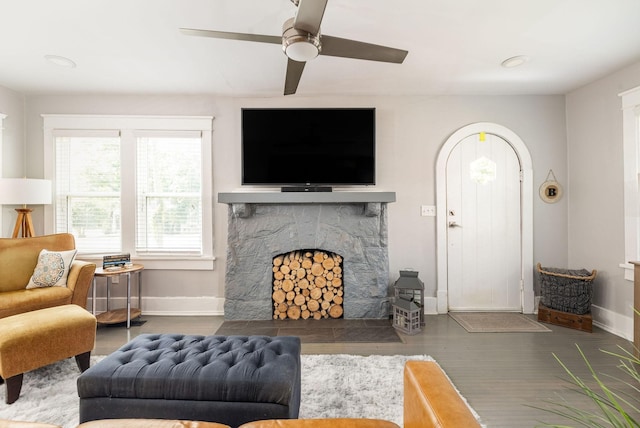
x=484, y=225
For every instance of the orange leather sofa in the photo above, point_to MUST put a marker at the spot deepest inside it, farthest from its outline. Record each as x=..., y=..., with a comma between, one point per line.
x=431, y=400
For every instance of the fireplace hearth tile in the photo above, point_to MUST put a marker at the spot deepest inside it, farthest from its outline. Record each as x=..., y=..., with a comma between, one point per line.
x=377, y=323
x=324, y=323
x=246, y=328
x=317, y=331
x=315, y=335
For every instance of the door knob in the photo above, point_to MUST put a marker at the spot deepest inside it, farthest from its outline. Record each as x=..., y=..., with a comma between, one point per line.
x=454, y=224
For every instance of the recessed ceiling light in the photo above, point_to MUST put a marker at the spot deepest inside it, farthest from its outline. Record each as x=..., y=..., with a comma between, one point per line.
x=60, y=61
x=515, y=61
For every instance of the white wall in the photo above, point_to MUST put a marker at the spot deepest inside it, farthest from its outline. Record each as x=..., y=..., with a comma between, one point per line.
x=410, y=131
x=596, y=215
x=12, y=150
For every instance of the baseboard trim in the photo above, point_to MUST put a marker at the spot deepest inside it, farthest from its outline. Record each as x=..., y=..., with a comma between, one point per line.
x=431, y=305
x=612, y=322
x=167, y=306
x=442, y=301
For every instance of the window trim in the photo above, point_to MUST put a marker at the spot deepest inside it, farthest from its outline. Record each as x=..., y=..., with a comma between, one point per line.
x=631, y=150
x=127, y=126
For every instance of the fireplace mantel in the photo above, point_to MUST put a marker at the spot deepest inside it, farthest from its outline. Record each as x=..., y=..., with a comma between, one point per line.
x=339, y=197
x=241, y=202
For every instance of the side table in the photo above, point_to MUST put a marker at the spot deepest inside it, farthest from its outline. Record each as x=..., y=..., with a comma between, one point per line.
x=118, y=315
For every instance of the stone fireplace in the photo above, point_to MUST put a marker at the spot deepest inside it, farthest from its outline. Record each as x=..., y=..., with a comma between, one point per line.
x=263, y=225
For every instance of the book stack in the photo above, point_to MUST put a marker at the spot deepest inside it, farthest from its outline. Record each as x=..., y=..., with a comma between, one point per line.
x=116, y=261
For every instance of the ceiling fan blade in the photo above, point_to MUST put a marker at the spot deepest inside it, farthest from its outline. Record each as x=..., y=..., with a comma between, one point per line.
x=294, y=72
x=335, y=46
x=309, y=15
x=232, y=36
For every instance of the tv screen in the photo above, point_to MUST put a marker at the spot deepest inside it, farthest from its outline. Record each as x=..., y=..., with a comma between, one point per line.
x=310, y=146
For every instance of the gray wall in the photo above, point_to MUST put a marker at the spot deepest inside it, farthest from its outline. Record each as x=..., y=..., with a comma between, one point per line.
x=12, y=163
x=410, y=131
x=584, y=229
x=596, y=216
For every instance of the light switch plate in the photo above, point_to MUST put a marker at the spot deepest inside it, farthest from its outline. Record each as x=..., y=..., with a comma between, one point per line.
x=428, y=210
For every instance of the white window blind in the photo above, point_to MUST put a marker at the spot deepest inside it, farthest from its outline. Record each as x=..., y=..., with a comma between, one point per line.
x=88, y=182
x=169, y=192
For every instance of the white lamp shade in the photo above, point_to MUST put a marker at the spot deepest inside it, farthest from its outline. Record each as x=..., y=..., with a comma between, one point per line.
x=25, y=191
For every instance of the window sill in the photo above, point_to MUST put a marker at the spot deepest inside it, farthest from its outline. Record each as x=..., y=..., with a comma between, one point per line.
x=628, y=271
x=162, y=263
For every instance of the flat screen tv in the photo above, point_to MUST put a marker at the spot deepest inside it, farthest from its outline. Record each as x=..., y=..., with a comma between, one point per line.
x=308, y=146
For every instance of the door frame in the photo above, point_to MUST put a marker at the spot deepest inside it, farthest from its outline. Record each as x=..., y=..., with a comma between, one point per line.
x=526, y=210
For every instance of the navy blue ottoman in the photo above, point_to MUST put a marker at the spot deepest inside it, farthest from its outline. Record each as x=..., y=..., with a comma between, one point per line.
x=226, y=379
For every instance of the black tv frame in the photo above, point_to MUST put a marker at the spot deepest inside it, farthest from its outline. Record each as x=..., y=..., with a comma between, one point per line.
x=291, y=136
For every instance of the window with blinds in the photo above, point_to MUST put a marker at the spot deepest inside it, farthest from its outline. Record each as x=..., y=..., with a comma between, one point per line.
x=168, y=196
x=88, y=184
x=136, y=184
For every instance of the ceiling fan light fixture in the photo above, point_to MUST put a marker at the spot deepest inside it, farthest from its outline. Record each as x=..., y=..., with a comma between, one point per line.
x=301, y=50
x=299, y=45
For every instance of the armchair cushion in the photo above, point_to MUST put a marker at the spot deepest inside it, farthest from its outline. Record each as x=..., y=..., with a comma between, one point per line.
x=17, y=302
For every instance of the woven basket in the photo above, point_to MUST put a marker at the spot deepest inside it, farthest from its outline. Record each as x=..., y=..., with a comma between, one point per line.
x=566, y=290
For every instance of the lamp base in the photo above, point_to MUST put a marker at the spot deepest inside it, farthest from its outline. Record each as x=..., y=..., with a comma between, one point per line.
x=24, y=222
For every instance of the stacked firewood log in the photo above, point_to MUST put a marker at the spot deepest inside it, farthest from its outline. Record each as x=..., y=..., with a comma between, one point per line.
x=307, y=284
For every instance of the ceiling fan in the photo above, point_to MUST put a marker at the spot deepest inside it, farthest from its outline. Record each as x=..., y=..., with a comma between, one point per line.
x=301, y=42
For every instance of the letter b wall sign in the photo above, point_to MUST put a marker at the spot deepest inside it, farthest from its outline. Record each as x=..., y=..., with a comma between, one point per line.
x=550, y=191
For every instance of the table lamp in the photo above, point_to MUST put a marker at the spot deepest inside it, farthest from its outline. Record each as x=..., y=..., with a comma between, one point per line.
x=24, y=191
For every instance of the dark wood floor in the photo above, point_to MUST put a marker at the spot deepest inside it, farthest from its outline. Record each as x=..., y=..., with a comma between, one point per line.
x=500, y=374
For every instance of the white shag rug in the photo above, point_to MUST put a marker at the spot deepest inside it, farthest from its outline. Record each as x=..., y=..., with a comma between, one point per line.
x=332, y=386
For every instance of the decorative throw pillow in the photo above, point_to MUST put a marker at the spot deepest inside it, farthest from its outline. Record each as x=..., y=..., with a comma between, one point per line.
x=52, y=269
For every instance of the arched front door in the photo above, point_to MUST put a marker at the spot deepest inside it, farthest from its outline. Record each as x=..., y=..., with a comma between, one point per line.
x=484, y=221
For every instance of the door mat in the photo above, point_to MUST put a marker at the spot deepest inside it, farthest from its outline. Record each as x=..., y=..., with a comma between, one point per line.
x=497, y=322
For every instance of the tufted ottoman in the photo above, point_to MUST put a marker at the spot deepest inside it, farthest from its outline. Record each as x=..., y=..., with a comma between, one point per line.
x=225, y=379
